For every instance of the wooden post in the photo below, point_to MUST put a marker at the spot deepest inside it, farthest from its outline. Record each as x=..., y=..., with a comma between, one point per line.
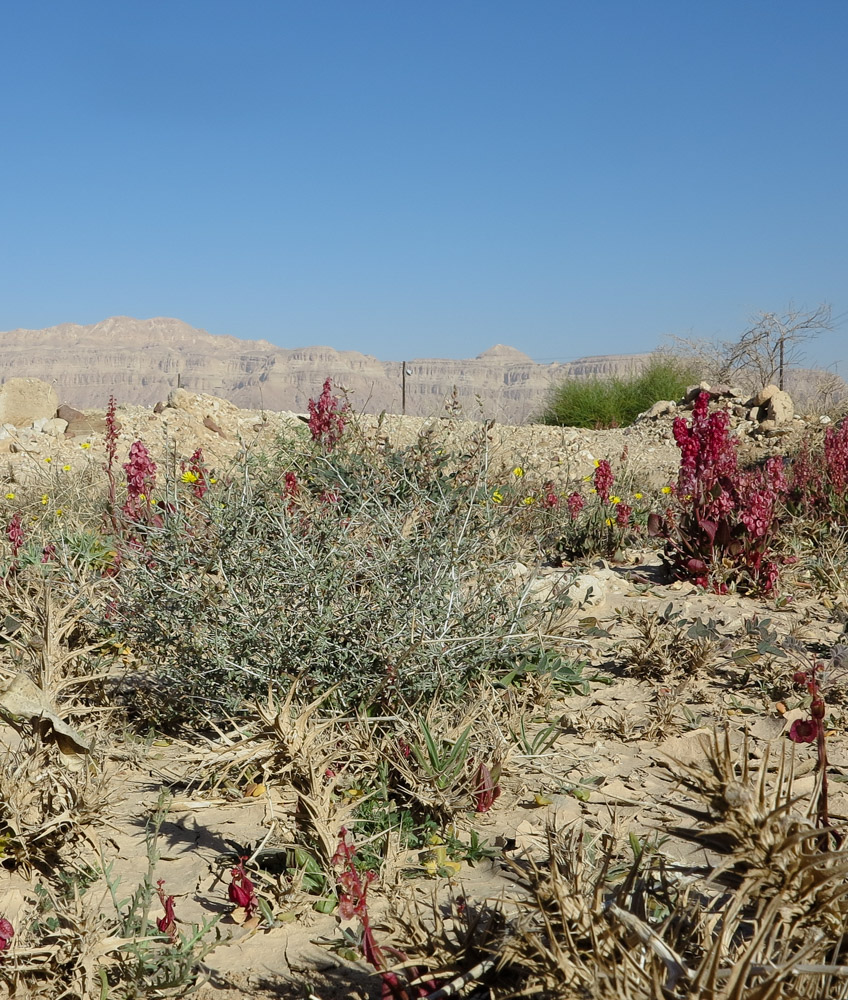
x=403, y=389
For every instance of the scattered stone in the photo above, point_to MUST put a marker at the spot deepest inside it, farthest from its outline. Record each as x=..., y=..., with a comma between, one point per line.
x=159, y=407
x=779, y=407
x=764, y=395
x=70, y=413
x=55, y=427
x=23, y=400
x=88, y=427
x=211, y=425
x=659, y=409
x=825, y=419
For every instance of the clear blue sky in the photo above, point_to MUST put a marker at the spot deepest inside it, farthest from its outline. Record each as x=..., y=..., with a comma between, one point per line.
x=410, y=178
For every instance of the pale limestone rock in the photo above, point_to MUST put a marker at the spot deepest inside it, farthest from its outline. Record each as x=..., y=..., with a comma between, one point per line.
x=23, y=400
x=780, y=408
x=55, y=427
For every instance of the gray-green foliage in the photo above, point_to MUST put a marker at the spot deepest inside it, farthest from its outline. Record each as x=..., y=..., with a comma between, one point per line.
x=385, y=574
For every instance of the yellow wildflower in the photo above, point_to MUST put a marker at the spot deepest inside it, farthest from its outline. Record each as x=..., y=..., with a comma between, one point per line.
x=615, y=499
x=189, y=477
x=609, y=522
x=596, y=463
x=59, y=512
x=665, y=489
x=10, y=496
x=85, y=445
x=45, y=499
x=637, y=496
x=213, y=480
x=497, y=497
x=518, y=472
x=66, y=468
x=528, y=500
x=48, y=460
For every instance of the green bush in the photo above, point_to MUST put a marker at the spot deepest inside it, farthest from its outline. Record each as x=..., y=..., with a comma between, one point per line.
x=616, y=402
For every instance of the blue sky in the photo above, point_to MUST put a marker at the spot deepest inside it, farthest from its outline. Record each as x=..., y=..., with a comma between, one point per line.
x=426, y=179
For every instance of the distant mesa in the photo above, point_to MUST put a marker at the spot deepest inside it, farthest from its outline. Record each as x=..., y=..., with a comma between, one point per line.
x=507, y=355
x=140, y=360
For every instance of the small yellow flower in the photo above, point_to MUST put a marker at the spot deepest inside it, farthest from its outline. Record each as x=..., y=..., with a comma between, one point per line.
x=48, y=460
x=142, y=496
x=59, y=512
x=609, y=522
x=213, y=480
x=45, y=499
x=637, y=496
x=596, y=463
x=10, y=496
x=593, y=490
x=665, y=489
x=528, y=500
x=189, y=477
x=497, y=497
x=66, y=468
x=85, y=445
x=615, y=499
x=518, y=472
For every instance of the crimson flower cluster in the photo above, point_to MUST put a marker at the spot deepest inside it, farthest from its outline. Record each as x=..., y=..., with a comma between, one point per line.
x=15, y=534
x=353, y=902
x=7, y=932
x=604, y=480
x=327, y=417
x=242, y=891
x=140, y=471
x=167, y=923
x=575, y=504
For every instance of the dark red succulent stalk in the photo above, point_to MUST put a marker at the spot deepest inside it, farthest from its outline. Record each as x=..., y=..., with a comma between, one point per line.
x=550, y=500
x=604, y=479
x=109, y=467
x=167, y=923
x=195, y=474
x=353, y=902
x=327, y=417
x=575, y=504
x=813, y=730
x=140, y=471
x=16, y=536
x=242, y=891
x=623, y=514
x=7, y=932
x=486, y=787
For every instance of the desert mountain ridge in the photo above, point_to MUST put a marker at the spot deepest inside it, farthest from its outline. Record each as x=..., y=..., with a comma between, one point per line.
x=140, y=361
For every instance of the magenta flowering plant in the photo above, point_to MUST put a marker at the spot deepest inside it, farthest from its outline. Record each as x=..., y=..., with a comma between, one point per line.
x=167, y=923
x=722, y=521
x=815, y=678
x=7, y=932
x=195, y=474
x=140, y=471
x=327, y=417
x=16, y=536
x=242, y=891
x=353, y=903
